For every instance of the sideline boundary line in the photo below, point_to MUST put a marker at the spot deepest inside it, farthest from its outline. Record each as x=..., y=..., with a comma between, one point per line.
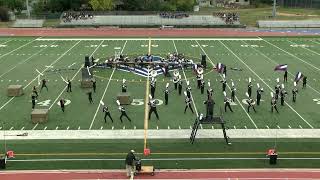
x=265, y=83
x=229, y=88
x=146, y=39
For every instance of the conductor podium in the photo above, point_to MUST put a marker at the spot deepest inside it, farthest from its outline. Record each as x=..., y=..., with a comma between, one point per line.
x=39, y=115
x=124, y=98
x=15, y=90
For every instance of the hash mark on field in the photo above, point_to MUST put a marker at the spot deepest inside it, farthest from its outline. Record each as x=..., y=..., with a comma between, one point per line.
x=112, y=127
x=68, y=128
x=157, y=128
x=278, y=127
x=234, y=127
x=9, y=80
x=134, y=127
x=57, y=128
x=45, y=128
x=212, y=127
x=101, y=127
x=11, y=128
x=267, y=127
x=201, y=126
x=56, y=80
x=0, y=128
x=22, y=128
x=289, y=126
x=124, y=127
x=245, y=127
x=25, y=80
x=190, y=127
x=179, y=127
x=79, y=128
x=300, y=126
x=168, y=127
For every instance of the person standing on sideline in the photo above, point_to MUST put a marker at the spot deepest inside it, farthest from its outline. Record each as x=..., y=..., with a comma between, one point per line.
x=130, y=164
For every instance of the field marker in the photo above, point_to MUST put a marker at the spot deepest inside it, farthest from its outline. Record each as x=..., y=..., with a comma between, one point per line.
x=292, y=55
x=45, y=128
x=157, y=128
x=300, y=126
x=234, y=127
x=245, y=127
x=79, y=128
x=35, y=126
x=190, y=127
x=288, y=71
x=42, y=72
x=105, y=90
x=112, y=127
x=101, y=127
x=11, y=128
x=289, y=126
x=230, y=89
x=201, y=126
x=267, y=127
x=68, y=128
x=0, y=128
x=57, y=128
x=212, y=127
x=264, y=82
x=22, y=128
x=168, y=127
x=179, y=127
x=278, y=127
x=134, y=127
x=124, y=127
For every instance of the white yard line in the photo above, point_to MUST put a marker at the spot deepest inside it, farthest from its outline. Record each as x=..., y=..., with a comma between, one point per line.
x=105, y=90
x=146, y=39
x=17, y=49
x=264, y=82
x=230, y=89
x=185, y=77
x=292, y=55
x=275, y=63
x=41, y=72
x=21, y=62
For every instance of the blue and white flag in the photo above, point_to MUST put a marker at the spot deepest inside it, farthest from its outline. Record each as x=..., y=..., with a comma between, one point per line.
x=281, y=67
x=299, y=76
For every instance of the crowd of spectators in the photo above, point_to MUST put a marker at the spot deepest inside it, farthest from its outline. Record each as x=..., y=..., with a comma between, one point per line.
x=69, y=16
x=229, y=18
x=176, y=15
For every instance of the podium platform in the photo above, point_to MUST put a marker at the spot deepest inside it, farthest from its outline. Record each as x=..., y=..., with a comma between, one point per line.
x=86, y=83
x=15, y=90
x=39, y=115
x=124, y=98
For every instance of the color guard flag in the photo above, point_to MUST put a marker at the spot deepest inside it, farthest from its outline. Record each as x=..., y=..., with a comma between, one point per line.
x=299, y=76
x=220, y=67
x=281, y=67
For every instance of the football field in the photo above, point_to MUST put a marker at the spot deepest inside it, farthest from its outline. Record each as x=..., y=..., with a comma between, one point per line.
x=256, y=57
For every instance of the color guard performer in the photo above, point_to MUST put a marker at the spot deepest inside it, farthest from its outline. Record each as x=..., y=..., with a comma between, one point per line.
x=188, y=103
x=251, y=103
x=294, y=92
x=273, y=103
x=153, y=107
x=226, y=102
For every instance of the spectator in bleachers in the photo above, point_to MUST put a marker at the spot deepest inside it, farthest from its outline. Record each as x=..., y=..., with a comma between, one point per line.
x=229, y=18
x=69, y=16
x=175, y=15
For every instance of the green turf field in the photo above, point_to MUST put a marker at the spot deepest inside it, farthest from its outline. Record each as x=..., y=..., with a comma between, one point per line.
x=19, y=57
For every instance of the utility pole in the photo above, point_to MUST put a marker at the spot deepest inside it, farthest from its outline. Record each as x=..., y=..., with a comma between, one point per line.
x=274, y=8
x=28, y=10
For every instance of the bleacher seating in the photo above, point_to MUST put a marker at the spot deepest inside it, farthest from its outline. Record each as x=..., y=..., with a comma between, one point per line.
x=28, y=23
x=289, y=24
x=147, y=20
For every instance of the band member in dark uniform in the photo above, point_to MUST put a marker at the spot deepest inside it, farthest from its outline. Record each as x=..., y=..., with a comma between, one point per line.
x=202, y=84
x=249, y=88
x=123, y=112
x=304, y=82
x=94, y=85
x=33, y=99
x=69, y=86
x=188, y=89
x=188, y=103
x=294, y=92
x=153, y=86
x=62, y=104
x=34, y=90
x=285, y=76
x=180, y=85
x=44, y=84
x=209, y=91
x=273, y=103
x=226, y=102
x=105, y=109
x=251, y=103
x=259, y=92
x=210, y=107
x=233, y=92
x=224, y=83
x=153, y=108
x=166, y=94
x=283, y=93
x=90, y=97
x=124, y=86
x=175, y=82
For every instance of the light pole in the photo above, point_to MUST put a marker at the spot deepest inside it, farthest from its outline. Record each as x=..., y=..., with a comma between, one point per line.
x=28, y=10
x=274, y=8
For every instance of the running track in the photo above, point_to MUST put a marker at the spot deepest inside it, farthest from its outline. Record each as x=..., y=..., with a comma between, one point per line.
x=241, y=174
